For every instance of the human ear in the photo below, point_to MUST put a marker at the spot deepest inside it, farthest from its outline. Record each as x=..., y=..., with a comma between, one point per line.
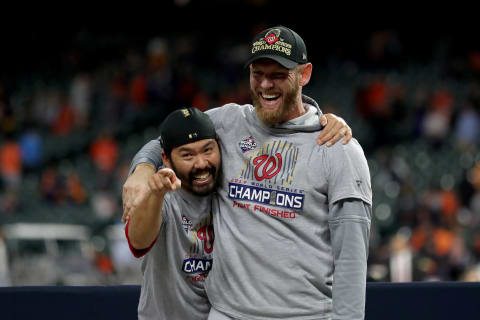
x=166, y=160
x=305, y=74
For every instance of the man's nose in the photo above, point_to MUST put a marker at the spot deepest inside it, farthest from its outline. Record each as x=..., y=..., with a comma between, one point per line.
x=200, y=162
x=266, y=82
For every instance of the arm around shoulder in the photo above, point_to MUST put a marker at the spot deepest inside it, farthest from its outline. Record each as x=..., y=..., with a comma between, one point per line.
x=222, y=117
x=150, y=153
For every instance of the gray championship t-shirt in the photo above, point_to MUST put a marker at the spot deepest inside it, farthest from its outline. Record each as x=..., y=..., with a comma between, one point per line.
x=175, y=267
x=293, y=220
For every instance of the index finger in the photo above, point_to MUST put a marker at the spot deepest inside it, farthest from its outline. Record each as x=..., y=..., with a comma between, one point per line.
x=172, y=177
x=168, y=173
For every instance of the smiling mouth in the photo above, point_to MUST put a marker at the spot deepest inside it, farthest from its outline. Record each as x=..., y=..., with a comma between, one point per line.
x=202, y=177
x=269, y=99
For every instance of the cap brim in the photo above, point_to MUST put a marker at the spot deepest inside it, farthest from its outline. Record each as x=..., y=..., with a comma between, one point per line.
x=289, y=64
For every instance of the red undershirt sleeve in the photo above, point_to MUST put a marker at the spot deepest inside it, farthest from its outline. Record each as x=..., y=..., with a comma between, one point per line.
x=138, y=253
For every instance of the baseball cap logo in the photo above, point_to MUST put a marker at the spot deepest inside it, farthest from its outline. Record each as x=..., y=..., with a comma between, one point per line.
x=272, y=36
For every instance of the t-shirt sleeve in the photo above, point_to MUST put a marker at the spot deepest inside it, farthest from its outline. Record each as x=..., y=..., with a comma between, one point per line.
x=224, y=116
x=347, y=170
x=149, y=153
x=217, y=115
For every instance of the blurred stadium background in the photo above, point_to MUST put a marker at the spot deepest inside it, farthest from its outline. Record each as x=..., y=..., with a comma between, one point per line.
x=78, y=100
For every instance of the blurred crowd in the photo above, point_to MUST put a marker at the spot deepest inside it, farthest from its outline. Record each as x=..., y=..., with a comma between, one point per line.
x=67, y=136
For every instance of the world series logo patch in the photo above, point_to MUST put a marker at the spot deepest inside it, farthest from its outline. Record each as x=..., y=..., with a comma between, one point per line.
x=247, y=144
x=186, y=224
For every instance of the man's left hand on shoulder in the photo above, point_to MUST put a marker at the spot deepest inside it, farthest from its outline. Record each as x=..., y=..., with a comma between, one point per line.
x=334, y=129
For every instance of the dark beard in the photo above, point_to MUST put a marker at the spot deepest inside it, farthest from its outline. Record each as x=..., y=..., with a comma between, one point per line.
x=187, y=181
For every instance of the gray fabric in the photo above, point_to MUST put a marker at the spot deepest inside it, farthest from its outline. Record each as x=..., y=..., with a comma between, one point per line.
x=150, y=153
x=309, y=118
x=175, y=268
x=275, y=237
x=349, y=228
x=216, y=315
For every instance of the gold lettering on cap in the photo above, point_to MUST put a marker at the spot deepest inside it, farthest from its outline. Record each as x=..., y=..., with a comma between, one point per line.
x=185, y=112
x=279, y=46
x=281, y=43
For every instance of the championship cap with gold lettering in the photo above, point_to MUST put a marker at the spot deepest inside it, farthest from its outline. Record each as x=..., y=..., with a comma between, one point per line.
x=185, y=126
x=280, y=44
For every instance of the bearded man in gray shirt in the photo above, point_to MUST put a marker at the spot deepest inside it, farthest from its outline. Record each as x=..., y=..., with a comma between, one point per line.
x=172, y=229
x=293, y=217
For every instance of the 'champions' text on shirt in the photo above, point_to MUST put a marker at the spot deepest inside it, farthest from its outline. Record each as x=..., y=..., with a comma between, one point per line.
x=266, y=196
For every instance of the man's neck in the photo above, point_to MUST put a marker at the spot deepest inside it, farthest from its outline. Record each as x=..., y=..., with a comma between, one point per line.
x=298, y=111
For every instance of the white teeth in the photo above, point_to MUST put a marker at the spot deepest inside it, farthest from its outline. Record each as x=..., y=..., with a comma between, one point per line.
x=202, y=176
x=269, y=96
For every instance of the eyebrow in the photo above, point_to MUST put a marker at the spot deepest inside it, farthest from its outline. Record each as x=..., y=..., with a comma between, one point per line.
x=185, y=149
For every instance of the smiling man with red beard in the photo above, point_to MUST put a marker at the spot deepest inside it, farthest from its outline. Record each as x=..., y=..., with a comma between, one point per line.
x=293, y=219
x=275, y=90
x=278, y=70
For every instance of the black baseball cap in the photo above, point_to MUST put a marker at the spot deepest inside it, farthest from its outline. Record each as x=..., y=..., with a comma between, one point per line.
x=185, y=126
x=280, y=44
